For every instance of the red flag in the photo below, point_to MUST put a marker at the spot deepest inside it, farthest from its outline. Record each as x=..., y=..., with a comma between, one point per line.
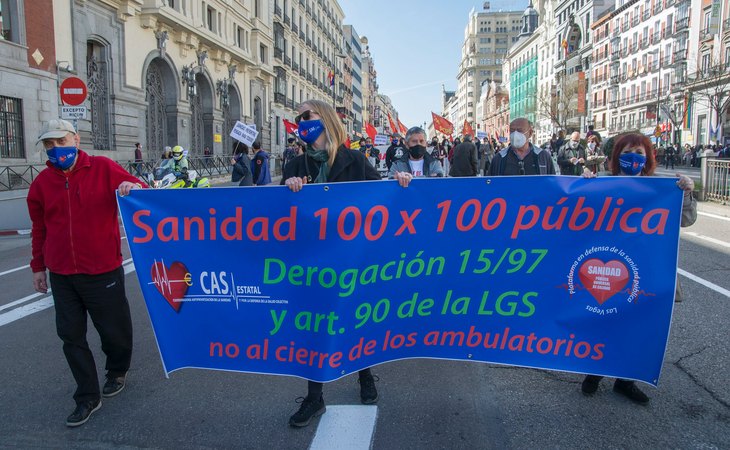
x=371, y=131
x=291, y=128
x=393, y=128
x=402, y=127
x=442, y=125
x=331, y=78
x=467, y=129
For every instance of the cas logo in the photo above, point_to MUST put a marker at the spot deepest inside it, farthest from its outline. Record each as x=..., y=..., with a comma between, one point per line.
x=172, y=282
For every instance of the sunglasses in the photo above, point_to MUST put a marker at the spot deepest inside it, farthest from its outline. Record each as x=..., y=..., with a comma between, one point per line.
x=306, y=115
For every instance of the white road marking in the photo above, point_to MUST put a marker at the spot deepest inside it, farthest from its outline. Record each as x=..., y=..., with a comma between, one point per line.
x=26, y=310
x=714, y=216
x=39, y=305
x=349, y=427
x=14, y=270
x=705, y=283
x=22, y=300
x=707, y=238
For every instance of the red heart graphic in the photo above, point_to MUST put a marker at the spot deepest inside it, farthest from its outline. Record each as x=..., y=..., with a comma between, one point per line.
x=603, y=280
x=170, y=282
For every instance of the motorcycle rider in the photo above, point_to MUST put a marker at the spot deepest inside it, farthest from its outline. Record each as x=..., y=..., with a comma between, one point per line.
x=180, y=165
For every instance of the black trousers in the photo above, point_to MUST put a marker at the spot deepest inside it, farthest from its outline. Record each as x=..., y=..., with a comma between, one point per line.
x=104, y=298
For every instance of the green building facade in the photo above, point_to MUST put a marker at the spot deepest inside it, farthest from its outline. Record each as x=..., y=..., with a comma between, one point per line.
x=523, y=90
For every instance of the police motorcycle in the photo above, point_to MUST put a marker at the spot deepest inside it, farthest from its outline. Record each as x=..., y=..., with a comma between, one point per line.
x=165, y=176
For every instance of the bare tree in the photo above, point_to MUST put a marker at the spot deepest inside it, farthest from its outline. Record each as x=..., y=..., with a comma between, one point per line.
x=560, y=104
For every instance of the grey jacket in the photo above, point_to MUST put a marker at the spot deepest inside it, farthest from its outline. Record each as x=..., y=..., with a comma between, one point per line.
x=431, y=166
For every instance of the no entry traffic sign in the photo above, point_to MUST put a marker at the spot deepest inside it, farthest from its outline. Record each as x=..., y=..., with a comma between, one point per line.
x=73, y=91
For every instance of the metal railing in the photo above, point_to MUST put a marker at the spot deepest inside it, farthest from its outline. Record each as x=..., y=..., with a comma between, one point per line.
x=716, y=180
x=18, y=177
x=210, y=166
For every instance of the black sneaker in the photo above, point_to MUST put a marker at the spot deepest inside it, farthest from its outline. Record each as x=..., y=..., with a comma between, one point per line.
x=590, y=384
x=309, y=410
x=81, y=414
x=113, y=386
x=368, y=392
x=631, y=391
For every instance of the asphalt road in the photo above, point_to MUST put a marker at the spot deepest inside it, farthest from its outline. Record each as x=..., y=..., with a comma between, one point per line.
x=423, y=403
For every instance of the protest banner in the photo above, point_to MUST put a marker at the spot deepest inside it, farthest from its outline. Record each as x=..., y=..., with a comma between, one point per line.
x=339, y=277
x=380, y=139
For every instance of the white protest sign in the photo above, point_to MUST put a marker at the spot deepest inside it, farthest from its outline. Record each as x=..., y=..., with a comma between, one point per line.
x=73, y=112
x=244, y=133
x=481, y=134
x=381, y=139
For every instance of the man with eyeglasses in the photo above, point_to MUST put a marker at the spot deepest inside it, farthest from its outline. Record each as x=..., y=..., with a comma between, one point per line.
x=521, y=157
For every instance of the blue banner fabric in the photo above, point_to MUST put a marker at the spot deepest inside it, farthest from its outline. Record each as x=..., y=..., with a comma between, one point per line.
x=548, y=272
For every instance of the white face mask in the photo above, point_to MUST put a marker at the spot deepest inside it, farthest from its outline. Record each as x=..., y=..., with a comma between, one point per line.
x=592, y=145
x=517, y=139
x=573, y=144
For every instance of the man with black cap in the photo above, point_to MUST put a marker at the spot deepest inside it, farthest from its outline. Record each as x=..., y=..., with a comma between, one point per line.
x=290, y=152
x=75, y=236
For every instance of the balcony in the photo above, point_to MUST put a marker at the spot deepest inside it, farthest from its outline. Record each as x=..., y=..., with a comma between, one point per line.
x=319, y=53
x=615, y=55
x=615, y=79
x=668, y=3
x=705, y=34
x=301, y=35
x=277, y=11
x=635, y=21
x=309, y=77
x=287, y=20
x=657, y=7
x=294, y=28
x=287, y=61
x=646, y=15
x=656, y=36
x=302, y=71
x=680, y=55
x=726, y=25
x=309, y=10
x=681, y=25
x=634, y=47
x=616, y=32
x=280, y=98
x=278, y=53
x=309, y=42
x=295, y=66
x=644, y=42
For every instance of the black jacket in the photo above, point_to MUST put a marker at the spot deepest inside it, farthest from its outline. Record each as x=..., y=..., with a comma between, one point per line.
x=349, y=165
x=464, y=162
x=242, y=171
x=391, y=154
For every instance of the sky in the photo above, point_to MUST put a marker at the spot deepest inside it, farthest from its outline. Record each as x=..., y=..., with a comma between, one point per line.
x=416, y=46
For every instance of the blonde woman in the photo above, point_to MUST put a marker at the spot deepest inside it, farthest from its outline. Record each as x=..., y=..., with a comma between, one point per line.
x=326, y=160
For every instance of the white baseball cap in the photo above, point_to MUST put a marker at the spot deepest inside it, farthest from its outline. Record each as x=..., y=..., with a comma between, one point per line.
x=56, y=129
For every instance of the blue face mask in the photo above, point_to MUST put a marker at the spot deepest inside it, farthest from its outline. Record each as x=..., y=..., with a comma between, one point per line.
x=394, y=142
x=631, y=163
x=310, y=130
x=62, y=157
x=368, y=145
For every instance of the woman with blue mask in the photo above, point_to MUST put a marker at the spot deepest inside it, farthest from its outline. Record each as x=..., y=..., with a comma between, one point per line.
x=632, y=155
x=326, y=159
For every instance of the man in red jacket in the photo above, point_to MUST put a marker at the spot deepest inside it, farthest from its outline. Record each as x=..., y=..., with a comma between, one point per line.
x=73, y=207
